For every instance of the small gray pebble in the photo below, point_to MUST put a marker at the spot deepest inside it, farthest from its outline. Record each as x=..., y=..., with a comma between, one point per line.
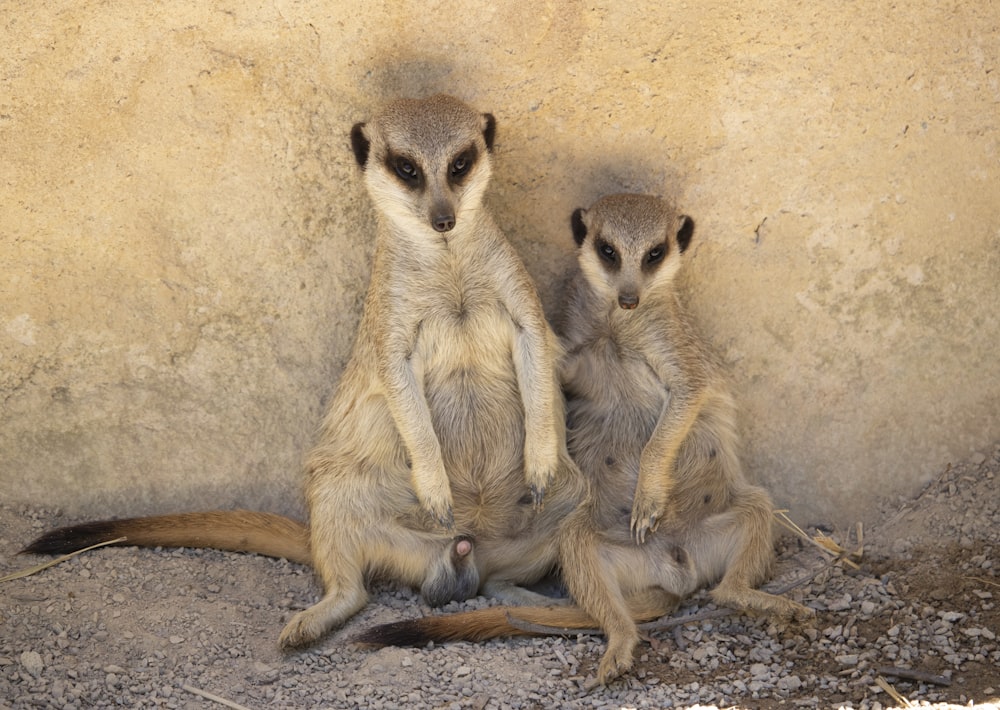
x=31, y=661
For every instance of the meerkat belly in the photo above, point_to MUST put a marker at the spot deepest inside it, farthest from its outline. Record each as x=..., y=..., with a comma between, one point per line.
x=472, y=391
x=614, y=402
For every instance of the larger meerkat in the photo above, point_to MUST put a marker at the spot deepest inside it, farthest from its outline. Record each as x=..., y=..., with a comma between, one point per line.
x=447, y=426
x=651, y=423
x=458, y=428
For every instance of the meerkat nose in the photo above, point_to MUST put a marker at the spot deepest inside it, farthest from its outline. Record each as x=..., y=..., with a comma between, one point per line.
x=628, y=301
x=443, y=222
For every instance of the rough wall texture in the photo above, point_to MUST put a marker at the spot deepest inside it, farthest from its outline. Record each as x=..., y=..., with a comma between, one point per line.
x=184, y=240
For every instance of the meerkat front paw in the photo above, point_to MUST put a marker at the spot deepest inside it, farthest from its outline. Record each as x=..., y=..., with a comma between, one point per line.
x=538, y=481
x=647, y=514
x=442, y=512
x=434, y=493
x=644, y=521
x=540, y=465
x=651, y=503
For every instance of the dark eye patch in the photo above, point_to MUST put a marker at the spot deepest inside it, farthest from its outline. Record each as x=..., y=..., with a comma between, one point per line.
x=607, y=252
x=461, y=165
x=655, y=255
x=406, y=170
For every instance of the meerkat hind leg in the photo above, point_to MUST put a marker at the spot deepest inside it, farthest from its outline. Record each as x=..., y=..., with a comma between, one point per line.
x=336, y=607
x=742, y=539
x=735, y=591
x=443, y=567
x=645, y=605
x=652, y=603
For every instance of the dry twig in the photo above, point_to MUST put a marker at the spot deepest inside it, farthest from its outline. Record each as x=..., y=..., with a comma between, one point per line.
x=910, y=674
x=532, y=628
x=214, y=698
x=824, y=542
x=27, y=572
x=887, y=687
x=982, y=580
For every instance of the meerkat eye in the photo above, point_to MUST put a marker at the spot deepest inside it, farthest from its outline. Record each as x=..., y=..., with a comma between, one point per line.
x=655, y=254
x=460, y=166
x=607, y=252
x=406, y=170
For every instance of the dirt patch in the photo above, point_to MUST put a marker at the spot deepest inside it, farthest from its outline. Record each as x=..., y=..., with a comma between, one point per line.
x=921, y=611
x=150, y=628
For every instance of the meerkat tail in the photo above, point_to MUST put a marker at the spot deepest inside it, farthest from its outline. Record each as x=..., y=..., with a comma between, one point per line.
x=494, y=622
x=479, y=625
x=234, y=530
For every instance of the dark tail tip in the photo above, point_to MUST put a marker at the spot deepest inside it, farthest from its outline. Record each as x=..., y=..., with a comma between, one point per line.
x=62, y=541
x=398, y=633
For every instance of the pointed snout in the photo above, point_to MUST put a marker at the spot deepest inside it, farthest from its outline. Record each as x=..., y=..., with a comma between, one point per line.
x=442, y=217
x=444, y=222
x=628, y=301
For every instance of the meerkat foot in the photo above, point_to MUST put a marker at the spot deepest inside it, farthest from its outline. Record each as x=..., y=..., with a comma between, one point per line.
x=800, y=613
x=308, y=626
x=790, y=610
x=617, y=660
x=510, y=594
x=755, y=600
x=303, y=630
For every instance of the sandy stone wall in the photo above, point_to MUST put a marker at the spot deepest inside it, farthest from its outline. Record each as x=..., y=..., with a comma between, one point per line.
x=184, y=240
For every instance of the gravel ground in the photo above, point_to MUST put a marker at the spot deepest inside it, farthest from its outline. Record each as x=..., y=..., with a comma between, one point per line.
x=154, y=628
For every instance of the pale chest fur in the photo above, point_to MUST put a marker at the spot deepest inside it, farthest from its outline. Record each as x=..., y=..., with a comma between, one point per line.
x=462, y=354
x=613, y=400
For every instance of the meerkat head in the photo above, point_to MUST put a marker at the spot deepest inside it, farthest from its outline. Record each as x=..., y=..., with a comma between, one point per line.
x=630, y=246
x=426, y=162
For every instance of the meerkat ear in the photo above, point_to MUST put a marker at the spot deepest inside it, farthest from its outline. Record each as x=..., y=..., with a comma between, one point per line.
x=579, y=225
x=685, y=230
x=360, y=144
x=489, y=130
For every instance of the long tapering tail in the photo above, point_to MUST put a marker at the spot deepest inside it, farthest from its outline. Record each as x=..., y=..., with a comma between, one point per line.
x=494, y=622
x=235, y=530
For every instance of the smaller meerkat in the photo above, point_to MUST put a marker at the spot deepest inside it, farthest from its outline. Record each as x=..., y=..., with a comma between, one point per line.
x=651, y=423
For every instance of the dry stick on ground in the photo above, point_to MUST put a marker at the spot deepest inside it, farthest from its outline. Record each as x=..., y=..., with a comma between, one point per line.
x=981, y=580
x=887, y=687
x=214, y=698
x=27, y=572
x=824, y=542
x=911, y=674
